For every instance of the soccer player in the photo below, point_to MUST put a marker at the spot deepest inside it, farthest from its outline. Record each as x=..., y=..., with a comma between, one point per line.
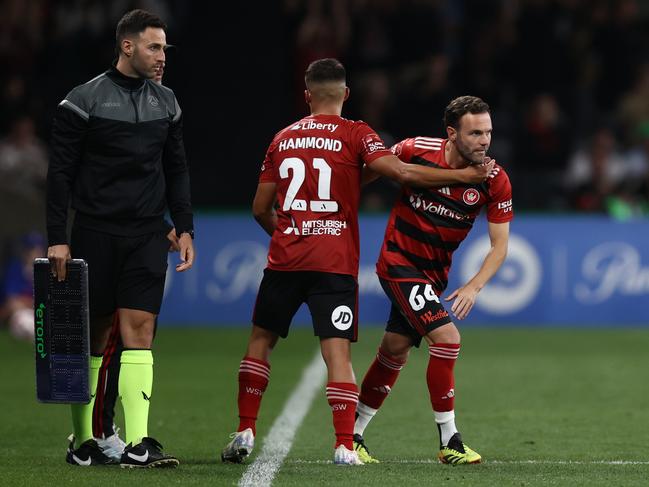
x=424, y=229
x=312, y=170
x=118, y=155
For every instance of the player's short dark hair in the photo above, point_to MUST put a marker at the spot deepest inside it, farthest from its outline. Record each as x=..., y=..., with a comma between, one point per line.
x=323, y=70
x=135, y=22
x=462, y=105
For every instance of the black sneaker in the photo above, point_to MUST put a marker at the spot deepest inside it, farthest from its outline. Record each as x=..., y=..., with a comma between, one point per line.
x=88, y=454
x=147, y=454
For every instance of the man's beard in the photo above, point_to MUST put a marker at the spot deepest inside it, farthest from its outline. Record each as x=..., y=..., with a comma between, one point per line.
x=466, y=155
x=141, y=71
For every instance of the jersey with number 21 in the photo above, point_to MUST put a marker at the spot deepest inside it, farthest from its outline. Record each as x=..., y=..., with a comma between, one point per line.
x=317, y=164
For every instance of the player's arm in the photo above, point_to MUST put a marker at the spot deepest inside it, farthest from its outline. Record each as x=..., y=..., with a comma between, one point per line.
x=427, y=177
x=263, y=206
x=68, y=135
x=176, y=172
x=466, y=295
x=368, y=176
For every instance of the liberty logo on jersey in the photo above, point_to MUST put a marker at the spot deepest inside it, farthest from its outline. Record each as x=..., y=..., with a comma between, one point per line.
x=471, y=196
x=342, y=317
x=311, y=125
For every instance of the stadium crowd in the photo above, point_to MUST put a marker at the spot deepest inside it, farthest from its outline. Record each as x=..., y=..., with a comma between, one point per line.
x=567, y=80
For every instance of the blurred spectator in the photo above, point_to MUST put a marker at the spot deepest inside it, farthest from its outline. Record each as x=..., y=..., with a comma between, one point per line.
x=23, y=160
x=544, y=140
x=13, y=98
x=637, y=158
x=323, y=32
x=632, y=198
x=542, y=149
x=16, y=291
x=595, y=172
x=633, y=109
x=424, y=93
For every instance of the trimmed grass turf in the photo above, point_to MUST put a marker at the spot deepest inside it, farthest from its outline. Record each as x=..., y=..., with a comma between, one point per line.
x=541, y=395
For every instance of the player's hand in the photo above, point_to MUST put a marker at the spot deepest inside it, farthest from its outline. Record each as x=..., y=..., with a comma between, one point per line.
x=464, y=300
x=58, y=256
x=174, y=244
x=476, y=173
x=186, y=245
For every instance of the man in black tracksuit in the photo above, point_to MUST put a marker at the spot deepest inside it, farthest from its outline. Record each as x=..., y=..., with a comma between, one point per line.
x=118, y=156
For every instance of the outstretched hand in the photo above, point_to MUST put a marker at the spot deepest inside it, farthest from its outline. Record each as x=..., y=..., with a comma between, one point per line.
x=464, y=300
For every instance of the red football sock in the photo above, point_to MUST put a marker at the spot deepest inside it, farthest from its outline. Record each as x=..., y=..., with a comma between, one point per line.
x=440, y=378
x=379, y=379
x=253, y=379
x=343, y=397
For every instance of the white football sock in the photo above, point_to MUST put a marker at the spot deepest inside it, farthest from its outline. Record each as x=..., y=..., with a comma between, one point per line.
x=446, y=422
x=365, y=415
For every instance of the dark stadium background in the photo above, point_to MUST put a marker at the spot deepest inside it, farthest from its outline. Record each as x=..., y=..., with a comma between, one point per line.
x=554, y=71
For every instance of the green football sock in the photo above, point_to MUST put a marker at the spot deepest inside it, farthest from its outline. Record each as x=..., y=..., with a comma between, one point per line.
x=135, y=384
x=82, y=413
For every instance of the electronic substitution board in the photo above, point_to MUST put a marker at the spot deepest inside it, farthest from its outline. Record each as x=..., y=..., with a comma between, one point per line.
x=61, y=333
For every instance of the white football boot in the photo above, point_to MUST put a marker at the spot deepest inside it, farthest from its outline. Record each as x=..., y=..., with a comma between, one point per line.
x=113, y=446
x=343, y=456
x=240, y=447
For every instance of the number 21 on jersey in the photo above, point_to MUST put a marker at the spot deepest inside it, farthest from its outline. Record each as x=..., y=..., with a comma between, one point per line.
x=323, y=204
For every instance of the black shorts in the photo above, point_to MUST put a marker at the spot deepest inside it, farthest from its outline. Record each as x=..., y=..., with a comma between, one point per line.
x=332, y=300
x=416, y=309
x=123, y=272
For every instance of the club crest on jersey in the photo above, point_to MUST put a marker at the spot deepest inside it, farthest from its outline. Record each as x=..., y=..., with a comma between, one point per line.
x=471, y=196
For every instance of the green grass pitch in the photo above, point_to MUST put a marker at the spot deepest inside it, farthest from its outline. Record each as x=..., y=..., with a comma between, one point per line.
x=543, y=407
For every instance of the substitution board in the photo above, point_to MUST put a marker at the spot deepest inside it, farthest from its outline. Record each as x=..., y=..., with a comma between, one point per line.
x=61, y=333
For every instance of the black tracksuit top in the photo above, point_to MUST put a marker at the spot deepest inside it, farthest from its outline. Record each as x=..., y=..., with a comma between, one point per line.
x=117, y=153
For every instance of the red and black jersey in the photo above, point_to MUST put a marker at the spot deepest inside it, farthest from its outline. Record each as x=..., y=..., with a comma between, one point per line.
x=427, y=225
x=316, y=164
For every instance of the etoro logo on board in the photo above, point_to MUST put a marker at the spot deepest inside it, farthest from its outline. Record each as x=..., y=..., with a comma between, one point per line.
x=40, y=331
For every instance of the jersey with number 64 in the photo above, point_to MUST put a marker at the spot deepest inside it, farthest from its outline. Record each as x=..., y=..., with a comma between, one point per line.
x=427, y=225
x=316, y=164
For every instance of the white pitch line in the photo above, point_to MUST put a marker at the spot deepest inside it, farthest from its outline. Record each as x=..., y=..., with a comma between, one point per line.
x=278, y=442
x=501, y=462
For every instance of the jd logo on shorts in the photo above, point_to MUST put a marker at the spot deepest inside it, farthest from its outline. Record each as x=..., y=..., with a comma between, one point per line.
x=342, y=317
